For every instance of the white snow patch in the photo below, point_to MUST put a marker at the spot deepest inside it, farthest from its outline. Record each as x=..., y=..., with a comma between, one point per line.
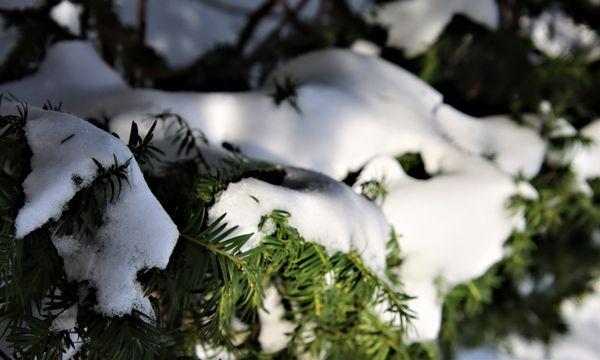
x=55, y=163
x=71, y=72
x=451, y=226
x=334, y=217
x=274, y=330
x=562, y=157
x=136, y=233
x=366, y=47
x=556, y=34
x=416, y=24
x=20, y=4
x=66, y=14
x=514, y=148
x=183, y=30
x=67, y=320
x=586, y=162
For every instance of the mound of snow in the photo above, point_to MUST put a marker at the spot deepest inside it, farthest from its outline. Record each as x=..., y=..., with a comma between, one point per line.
x=322, y=210
x=136, y=232
x=72, y=71
x=586, y=162
x=413, y=25
x=66, y=14
x=452, y=226
x=556, y=34
x=183, y=30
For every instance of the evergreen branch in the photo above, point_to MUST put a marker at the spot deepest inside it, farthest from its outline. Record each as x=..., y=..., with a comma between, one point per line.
x=84, y=213
x=142, y=148
x=188, y=138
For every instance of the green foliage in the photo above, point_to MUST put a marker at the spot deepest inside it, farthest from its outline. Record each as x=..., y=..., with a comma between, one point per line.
x=554, y=259
x=331, y=298
x=464, y=301
x=374, y=190
x=85, y=211
x=188, y=138
x=142, y=148
x=413, y=165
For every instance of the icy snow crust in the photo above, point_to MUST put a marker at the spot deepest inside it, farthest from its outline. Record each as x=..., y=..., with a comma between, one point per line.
x=136, y=233
x=416, y=24
x=354, y=109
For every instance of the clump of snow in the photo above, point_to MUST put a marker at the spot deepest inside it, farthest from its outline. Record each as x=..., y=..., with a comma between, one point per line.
x=72, y=71
x=67, y=320
x=471, y=224
x=586, y=163
x=328, y=213
x=56, y=160
x=366, y=47
x=416, y=24
x=136, y=232
x=564, y=156
x=182, y=30
x=495, y=137
x=556, y=34
x=274, y=331
x=66, y=14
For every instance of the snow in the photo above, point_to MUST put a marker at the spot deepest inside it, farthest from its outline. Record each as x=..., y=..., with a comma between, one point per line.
x=183, y=30
x=274, y=330
x=354, y=108
x=414, y=25
x=556, y=34
x=470, y=225
x=20, y=4
x=72, y=71
x=495, y=136
x=66, y=14
x=67, y=320
x=136, y=232
x=322, y=210
x=53, y=159
x=586, y=163
x=366, y=47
